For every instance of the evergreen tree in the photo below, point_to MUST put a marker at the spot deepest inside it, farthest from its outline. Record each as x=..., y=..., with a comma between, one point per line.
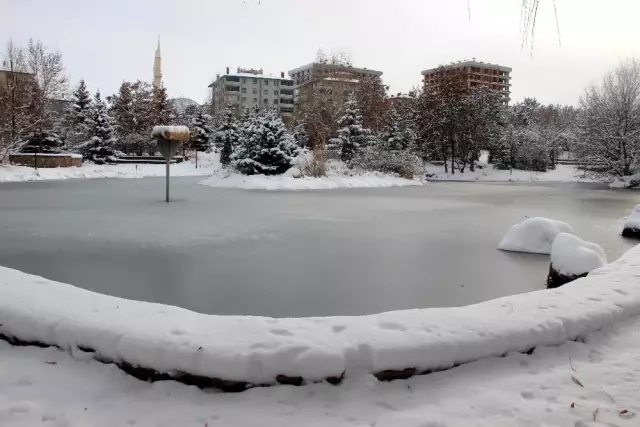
x=161, y=110
x=79, y=116
x=101, y=146
x=227, y=136
x=266, y=148
x=44, y=141
x=201, y=133
x=397, y=134
x=352, y=135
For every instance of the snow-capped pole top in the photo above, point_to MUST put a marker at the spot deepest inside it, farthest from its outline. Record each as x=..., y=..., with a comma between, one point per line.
x=174, y=133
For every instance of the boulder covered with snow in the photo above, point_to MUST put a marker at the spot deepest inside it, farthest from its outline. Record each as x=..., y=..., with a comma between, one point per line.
x=632, y=225
x=572, y=258
x=533, y=235
x=293, y=172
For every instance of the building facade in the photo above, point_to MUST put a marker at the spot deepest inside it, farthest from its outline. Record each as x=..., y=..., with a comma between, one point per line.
x=339, y=81
x=251, y=88
x=475, y=74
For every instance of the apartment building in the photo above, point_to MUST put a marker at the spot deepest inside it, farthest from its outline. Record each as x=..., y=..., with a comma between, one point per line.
x=250, y=88
x=338, y=80
x=475, y=74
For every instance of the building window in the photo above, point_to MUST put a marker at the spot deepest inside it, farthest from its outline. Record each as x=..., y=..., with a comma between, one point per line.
x=275, y=92
x=244, y=80
x=265, y=92
x=255, y=91
x=244, y=90
x=244, y=99
x=266, y=82
x=255, y=81
x=266, y=101
x=275, y=83
x=275, y=102
x=255, y=100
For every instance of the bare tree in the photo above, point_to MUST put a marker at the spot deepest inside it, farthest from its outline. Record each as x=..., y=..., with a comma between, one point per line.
x=48, y=71
x=15, y=87
x=609, y=124
x=371, y=96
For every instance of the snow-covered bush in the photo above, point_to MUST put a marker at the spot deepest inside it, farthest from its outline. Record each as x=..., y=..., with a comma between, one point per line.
x=632, y=224
x=201, y=132
x=533, y=235
x=313, y=163
x=571, y=258
x=266, y=147
x=400, y=162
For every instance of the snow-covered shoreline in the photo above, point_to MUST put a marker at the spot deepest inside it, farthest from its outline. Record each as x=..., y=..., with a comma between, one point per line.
x=333, y=181
x=258, y=350
x=562, y=173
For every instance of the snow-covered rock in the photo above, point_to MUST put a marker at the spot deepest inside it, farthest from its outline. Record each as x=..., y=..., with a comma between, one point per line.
x=533, y=235
x=293, y=172
x=632, y=225
x=571, y=258
x=259, y=350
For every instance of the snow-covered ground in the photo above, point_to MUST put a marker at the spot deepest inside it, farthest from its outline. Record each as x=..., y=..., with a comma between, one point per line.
x=283, y=182
x=569, y=385
x=562, y=173
x=207, y=165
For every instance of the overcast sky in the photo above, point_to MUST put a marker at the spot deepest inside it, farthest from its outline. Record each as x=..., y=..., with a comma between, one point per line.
x=106, y=42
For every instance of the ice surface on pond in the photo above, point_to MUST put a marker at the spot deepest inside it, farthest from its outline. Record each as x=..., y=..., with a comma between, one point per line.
x=533, y=235
x=572, y=256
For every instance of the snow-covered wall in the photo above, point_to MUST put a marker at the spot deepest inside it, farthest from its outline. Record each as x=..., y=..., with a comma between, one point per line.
x=259, y=350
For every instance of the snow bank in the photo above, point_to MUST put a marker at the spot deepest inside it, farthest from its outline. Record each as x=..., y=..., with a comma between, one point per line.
x=258, y=350
x=632, y=224
x=207, y=164
x=533, y=235
x=562, y=173
x=288, y=182
x=572, y=256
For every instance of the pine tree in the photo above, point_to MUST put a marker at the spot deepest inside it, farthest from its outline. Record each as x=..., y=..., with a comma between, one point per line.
x=161, y=110
x=227, y=136
x=79, y=116
x=352, y=135
x=201, y=133
x=101, y=146
x=397, y=134
x=266, y=148
x=43, y=142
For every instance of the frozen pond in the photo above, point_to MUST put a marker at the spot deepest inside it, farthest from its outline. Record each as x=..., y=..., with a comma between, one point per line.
x=283, y=254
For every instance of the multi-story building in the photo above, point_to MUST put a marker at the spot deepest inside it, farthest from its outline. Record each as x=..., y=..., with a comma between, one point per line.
x=336, y=79
x=475, y=74
x=251, y=88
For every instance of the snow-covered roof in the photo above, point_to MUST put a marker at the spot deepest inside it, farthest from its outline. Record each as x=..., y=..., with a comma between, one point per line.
x=468, y=63
x=336, y=66
x=251, y=76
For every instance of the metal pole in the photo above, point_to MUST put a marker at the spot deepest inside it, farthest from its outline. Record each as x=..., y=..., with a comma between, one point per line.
x=168, y=163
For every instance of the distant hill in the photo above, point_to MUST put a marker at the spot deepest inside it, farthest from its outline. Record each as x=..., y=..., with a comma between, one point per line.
x=181, y=104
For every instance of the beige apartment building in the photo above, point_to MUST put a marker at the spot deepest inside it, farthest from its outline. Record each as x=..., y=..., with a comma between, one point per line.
x=338, y=80
x=476, y=74
x=252, y=88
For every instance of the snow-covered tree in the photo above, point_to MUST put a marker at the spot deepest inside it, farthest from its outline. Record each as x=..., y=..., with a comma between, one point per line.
x=352, y=135
x=201, y=133
x=266, y=147
x=609, y=124
x=42, y=142
x=132, y=109
x=227, y=135
x=100, y=148
x=397, y=134
x=79, y=116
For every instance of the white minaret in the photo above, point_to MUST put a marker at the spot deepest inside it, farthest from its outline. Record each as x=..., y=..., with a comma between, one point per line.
x=157, y=68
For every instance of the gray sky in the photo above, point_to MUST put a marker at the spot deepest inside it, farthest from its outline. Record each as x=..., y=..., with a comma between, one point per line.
x=106, y=42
